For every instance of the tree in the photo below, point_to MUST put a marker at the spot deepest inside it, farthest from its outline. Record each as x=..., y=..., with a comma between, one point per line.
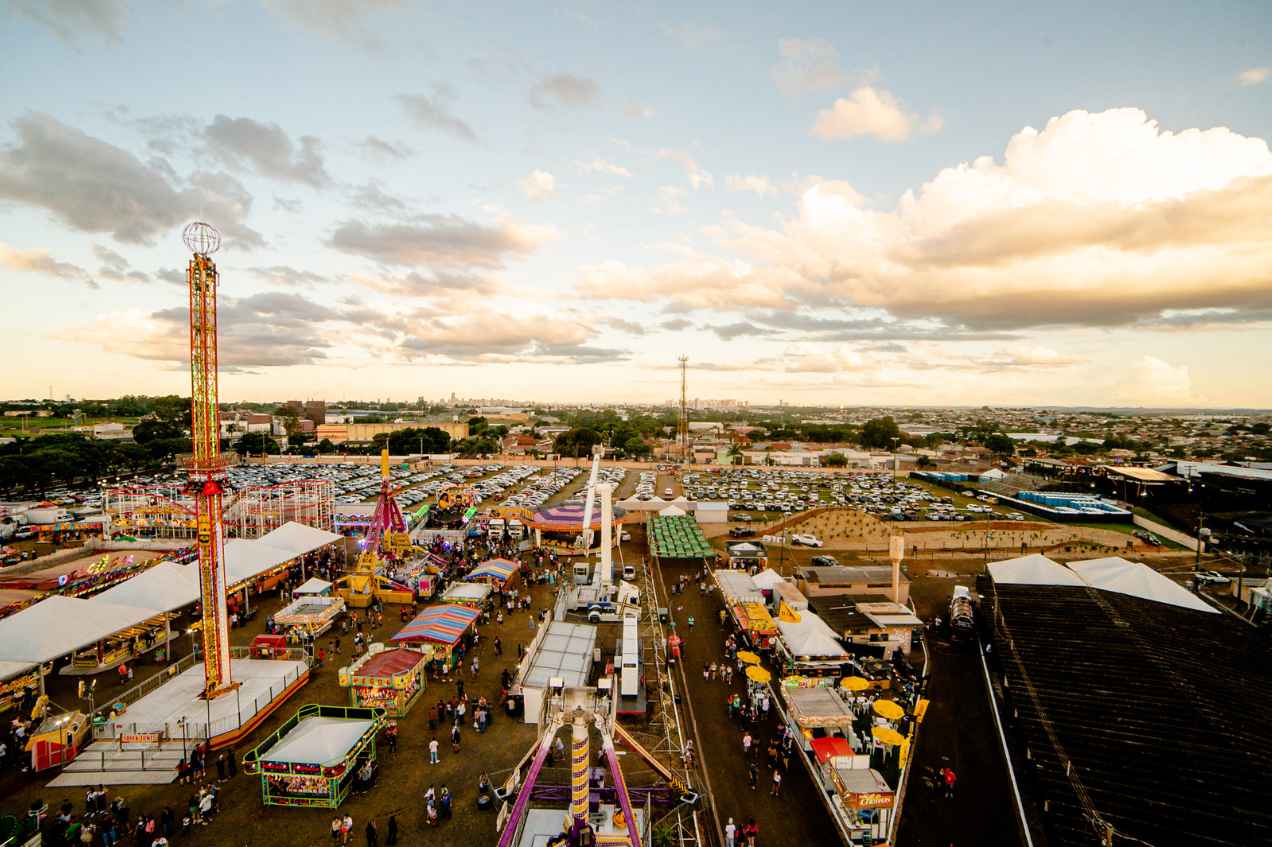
x=925, y=462
x=574, y=443
x=1001, y=443
x=834, y=460
x=635, y=446
x=290, y=419
x=880, y=433
x=735, y=454
x=326, y=446
x=256, y=444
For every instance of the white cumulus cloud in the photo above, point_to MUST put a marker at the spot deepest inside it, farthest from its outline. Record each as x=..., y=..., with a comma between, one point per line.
x=540, y=187
x=1254, y=75
x=1154, y=382
x=869, y=111
x=761, y=185
x=807, y=64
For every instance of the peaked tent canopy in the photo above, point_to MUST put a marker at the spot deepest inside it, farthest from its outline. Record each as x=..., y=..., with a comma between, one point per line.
x=496, y=570
x=443, y=624
x=313, y=585
x=1034, y=569
x=319, y=741
x=59, y=625
x=297, y=539
x=247, y=559
x=164, y=588
x=1138, y=580
x=671, y=512
x=766, y=579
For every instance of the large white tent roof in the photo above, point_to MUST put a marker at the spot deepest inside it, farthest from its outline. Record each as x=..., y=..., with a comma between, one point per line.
x=164, y=588
x=8, y=669
x=738, y=587
x=1138, y=580
x=1034, y=569
x=246, y=559
x=297, y=539
x=59, y=625
x=811, y=636
x=318, y=741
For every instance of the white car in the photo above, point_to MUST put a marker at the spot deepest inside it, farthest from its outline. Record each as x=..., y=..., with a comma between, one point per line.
x=1211, y=578
x=806, y=540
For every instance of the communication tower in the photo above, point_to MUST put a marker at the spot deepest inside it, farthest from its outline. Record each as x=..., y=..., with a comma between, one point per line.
x=682, y=425
x=206, y=467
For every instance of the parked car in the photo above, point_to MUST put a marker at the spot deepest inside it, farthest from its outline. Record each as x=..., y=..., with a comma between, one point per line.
x=825, y=562
x=806, y=540
x=1211, y=578
x=741, y=532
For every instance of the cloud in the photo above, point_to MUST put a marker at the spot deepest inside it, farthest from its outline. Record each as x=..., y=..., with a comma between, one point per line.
x=381, y=150
x=434, y=112
x=270, y=329
x=90, y=185
x=443, y=241
x=42, y=262
x=676, y=324
x=266, y=149
x=697, y=176
x=1254, y=75
x=636, y=110
x=759, y=184
x=346, y=21
x=69, y=19
x=1015, y=355
x=739, y=329
x=487, y=336
x=434, y=284
x=872, y=112
x=667, y=202
x=564, y=90
x=115, y=266
x=807, y=64
x=285, y=275
x=539, y=187
x=1098, y=219
x=693, y=35
x=1154, y=382
x=596, y=163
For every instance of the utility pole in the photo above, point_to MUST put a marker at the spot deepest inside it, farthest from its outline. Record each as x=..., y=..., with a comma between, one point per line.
x=682, y=425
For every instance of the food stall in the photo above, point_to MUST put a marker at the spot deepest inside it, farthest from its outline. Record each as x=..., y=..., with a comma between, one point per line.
x=754, y=619
x=438, y=630
x=57, y=740
x=313, y=760
x=818, y=707
x=864, y=800
x=268, y=647
x=495, y=572
x=391, y=679
x=310, y=614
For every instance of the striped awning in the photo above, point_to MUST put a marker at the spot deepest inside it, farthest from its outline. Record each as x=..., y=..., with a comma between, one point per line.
x=442, y=624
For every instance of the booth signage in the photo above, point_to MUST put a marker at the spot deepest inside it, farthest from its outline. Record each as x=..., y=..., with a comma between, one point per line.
x=140, y=738
x=871, y=800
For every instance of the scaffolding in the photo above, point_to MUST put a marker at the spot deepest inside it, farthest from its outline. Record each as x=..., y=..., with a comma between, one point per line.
x=259, y=509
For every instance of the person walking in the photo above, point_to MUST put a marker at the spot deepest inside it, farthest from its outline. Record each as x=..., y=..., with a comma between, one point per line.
x=335, y=830
x=754, y=773
x=730, y=834
x=749, y=832
x=777, y=781
x=949, y=778
x=432, y=719
x=455, y=738
x=746, y=744
x=346, y=829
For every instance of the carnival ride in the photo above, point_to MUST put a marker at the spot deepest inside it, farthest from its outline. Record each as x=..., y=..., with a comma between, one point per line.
x=206, y=466
x=166, y=510
x=388, y=531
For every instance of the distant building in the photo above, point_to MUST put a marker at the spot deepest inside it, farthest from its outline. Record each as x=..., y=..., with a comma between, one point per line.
x=309, y=410
x=362, y=433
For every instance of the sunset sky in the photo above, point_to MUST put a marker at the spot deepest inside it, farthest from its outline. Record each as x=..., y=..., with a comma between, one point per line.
x=852, y=203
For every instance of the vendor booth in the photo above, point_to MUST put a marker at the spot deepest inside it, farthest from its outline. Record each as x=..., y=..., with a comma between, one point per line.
x=391, y=680
x=57, y=740
x=437, y=630
x=756, y=623
x=469, y=593
x=313, y=587
x=496, y=572
x=863, y=800
x=316, y=758
x=818, y=707
x=809, y=647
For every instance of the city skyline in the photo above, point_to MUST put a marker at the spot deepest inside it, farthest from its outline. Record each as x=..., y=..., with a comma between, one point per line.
x=1012, y=208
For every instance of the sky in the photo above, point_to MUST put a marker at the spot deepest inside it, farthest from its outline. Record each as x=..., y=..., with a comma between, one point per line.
x=842, y=203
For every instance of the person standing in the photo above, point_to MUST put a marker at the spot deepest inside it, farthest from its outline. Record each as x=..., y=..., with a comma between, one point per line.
x=455, y=738
x=231, y=763
x=749, y=832
x=432, y=752
x=746, y=744
x=949, y=778
x=373, y=837
x=393, y=832
x=444, y=799
x=777, y=781
x=730, y=834
x=754, y=774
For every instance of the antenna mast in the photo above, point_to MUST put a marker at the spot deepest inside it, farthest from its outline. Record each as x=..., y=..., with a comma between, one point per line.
x=682, y=425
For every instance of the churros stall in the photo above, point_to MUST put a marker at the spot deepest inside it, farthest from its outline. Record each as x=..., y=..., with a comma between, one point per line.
x=314, y=759
x=391, y=679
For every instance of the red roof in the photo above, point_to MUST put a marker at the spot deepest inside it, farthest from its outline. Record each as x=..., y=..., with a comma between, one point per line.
x=390, y=662
x=827, y=748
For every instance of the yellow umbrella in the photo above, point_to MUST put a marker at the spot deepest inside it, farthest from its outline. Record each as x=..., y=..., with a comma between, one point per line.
x=886, y=735
x=749, y=658
x=888, y=709
x=758, y=674
x=854, y=683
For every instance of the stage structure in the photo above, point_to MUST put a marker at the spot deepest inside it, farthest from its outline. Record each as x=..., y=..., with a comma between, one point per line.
x=206, y=467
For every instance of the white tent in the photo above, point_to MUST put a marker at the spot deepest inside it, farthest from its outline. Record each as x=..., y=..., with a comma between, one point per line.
x=59, y=625
x=165, y=588
x=313, y=585
x=318, y=741
x=811, y=636
x=738, y=587
x=247, y=559
x=297, y=539
x=671, y=512
x=1138, y=580
x=1034, y=569
x=767, y=578
x=8, y=669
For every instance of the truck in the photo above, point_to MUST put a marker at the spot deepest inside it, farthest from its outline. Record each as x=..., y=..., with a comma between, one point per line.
x=495, y=529
x=603, y=601
x=629, y=664
x=516, y=529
